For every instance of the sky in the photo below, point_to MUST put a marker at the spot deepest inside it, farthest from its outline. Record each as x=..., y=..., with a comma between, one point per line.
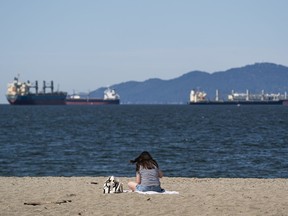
x=83, y=45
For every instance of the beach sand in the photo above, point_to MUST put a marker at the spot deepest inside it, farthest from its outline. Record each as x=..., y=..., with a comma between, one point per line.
x=84, y=196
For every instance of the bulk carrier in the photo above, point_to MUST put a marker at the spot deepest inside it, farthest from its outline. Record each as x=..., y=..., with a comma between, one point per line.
x=199, y=98
x=19, y=93
x=110, y=97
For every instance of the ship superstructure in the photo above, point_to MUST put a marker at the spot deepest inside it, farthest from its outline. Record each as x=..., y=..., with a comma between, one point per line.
x=197, y=96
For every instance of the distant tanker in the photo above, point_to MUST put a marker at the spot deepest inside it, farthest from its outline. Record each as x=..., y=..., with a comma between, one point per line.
x=110, y=97
x=199, y=98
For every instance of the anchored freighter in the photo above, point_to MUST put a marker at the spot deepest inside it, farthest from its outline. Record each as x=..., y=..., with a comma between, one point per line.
x=19, y=93
x=110, y=97
x=199, y=98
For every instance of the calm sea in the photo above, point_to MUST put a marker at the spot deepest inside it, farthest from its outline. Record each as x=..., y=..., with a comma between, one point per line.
x=187, y=141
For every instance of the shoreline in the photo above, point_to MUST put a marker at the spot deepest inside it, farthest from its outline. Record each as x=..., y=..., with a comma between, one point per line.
x=197, y=196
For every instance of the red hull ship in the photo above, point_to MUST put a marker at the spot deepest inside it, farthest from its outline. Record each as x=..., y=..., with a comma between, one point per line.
x=110, y=97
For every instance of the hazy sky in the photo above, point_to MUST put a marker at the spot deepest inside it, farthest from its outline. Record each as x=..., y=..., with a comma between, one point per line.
x=86, y=44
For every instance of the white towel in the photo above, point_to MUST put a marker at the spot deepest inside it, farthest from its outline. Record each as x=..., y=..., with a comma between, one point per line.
x=154, y=192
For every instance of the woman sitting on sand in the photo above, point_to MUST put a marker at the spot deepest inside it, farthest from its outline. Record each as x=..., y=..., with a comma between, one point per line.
x=147, y=174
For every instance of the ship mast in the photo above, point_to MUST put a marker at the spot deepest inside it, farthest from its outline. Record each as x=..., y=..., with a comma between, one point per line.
x=51, y=86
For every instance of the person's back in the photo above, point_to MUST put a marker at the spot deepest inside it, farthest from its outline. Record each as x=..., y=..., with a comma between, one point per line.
x=147, y=174
x=149, y=177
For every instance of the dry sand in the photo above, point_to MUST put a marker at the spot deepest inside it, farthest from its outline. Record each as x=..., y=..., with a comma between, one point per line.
x=84, y=196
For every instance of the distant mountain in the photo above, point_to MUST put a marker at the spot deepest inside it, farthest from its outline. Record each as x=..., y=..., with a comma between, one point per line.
x=269, y=77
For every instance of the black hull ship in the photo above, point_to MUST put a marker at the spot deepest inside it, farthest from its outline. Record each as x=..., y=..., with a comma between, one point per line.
x=199, y=98
x=19, y=93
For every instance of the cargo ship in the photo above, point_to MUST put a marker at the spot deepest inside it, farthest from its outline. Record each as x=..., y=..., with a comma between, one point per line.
x=19, y=93
x=199, y=98
x=110, y=97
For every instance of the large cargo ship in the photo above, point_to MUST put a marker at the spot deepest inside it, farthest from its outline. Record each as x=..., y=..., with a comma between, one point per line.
x=19, y=93
x=110, y=97
x=199, y=98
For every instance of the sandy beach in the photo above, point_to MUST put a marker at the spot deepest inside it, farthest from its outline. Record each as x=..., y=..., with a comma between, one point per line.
x=84, y=196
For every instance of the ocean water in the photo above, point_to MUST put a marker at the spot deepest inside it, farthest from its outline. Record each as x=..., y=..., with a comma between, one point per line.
x=187, y=141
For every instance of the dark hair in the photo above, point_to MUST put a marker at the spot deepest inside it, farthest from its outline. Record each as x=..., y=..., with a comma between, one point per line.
x=145, y=160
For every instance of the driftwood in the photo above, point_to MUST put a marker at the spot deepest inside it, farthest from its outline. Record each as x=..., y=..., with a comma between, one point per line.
x=43, y=203
x=94, y=182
